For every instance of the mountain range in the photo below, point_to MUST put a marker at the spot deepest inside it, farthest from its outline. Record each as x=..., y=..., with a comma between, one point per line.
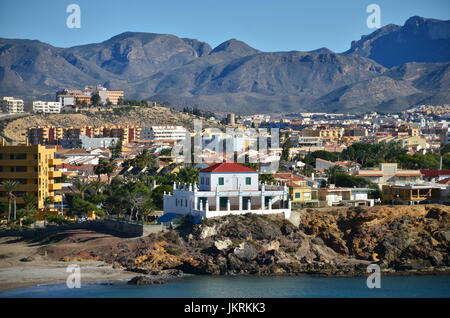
x=389, y=70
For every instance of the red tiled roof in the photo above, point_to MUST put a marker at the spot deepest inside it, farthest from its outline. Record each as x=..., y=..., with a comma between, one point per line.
x=288, y=176
x=444, y=181
x=228, y=167
x=434, y=173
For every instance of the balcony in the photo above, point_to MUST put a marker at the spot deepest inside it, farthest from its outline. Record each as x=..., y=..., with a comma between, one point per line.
x=55, y=162
x=55, y=174
x=54, y=186
x=55, y=198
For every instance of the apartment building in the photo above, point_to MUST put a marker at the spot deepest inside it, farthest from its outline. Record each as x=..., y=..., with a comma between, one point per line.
x=50, y=135
x=389, y=174
x=33, y=167
x=107, y=96
x=11, y=105
x=47, y=107
x=327, y=133
x=163, y=132
x=79, y=97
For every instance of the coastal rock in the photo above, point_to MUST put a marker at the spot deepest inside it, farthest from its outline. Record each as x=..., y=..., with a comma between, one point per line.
x=145, y=280
x=223, y=244
x=245, y=252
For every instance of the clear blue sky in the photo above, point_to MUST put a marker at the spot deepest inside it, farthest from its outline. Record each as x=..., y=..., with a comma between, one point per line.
x=268, y=25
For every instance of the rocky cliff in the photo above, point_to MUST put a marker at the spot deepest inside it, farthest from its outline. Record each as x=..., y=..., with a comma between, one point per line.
x=334, y=241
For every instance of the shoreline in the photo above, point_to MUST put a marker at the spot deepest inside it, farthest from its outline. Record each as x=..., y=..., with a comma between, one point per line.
x=116, y=275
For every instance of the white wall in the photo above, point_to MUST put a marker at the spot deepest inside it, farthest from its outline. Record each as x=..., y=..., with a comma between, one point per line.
x=232, y=181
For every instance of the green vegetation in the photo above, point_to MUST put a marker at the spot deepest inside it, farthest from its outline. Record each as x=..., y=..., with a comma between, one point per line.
x=371, y=155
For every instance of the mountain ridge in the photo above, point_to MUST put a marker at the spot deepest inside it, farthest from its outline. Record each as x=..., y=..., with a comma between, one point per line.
x=235, y=77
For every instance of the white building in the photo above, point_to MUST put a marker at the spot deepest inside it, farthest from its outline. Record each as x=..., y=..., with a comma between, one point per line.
x=227, y=188
x=163, y=133
x=12, y=105
x=47, y=107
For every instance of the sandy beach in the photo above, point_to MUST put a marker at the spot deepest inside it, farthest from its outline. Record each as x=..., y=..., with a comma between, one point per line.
x=41, y=269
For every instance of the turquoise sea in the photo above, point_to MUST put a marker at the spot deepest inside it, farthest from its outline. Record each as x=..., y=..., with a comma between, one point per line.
x=252, y=287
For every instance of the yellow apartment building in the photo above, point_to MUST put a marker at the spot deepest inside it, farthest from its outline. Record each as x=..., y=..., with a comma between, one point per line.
x=33, y=167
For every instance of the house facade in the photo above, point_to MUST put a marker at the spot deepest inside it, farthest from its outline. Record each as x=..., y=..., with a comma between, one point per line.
x=227, y=188
x=389, y=174
x=346, y=196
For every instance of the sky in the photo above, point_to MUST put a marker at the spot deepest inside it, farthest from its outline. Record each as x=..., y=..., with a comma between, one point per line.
x=267, y=25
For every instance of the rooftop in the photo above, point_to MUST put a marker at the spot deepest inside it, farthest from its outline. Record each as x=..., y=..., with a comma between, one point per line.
x=228, y=167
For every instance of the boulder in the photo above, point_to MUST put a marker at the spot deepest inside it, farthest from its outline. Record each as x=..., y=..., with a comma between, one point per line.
x=223, y=244
x=245, y=252
x=146, y=280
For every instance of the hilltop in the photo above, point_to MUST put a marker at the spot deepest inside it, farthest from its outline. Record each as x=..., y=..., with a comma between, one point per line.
x=234, y=77
x=13, y=129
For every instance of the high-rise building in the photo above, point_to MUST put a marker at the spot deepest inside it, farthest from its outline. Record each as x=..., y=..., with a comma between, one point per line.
x=33, y=167
x=12, y=105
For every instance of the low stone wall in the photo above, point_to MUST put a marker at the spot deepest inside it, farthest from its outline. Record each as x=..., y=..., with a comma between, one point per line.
x=115, y=227
x=91, y=225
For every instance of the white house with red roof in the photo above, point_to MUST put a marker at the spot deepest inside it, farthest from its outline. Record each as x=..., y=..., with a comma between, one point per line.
x=227, y=188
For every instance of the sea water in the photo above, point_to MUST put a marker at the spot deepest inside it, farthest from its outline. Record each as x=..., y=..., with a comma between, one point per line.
x=241, y=287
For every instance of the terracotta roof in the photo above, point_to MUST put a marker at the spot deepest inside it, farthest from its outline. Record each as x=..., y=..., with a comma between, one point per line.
x=228, y=167
x=435, y=173
x=444, y=181
x=288, y=176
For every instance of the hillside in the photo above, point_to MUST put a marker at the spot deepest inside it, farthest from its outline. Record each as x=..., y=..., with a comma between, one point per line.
x=234, y=77
x=15, y=129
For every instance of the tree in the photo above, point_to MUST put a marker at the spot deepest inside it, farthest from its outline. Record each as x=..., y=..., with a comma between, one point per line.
x=158, y=194
x=285, y=154
x=82, y=207
x=47, y=204
x=107, y=167
x=116, y=150
x=81, y=187
x=143, y=160
x=332, y=172
x=267, y=178
x=98, y=186
x=95, y=99
x=29, y=211
x=10, y=186
x=188, y=175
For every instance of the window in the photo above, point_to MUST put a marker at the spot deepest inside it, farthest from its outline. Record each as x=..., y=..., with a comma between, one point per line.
x=248, y=180
x=221, y=181
x=297, y=195
x=201, y=180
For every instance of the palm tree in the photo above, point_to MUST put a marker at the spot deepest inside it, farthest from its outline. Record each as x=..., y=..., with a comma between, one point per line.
x=98, y=186
x=81, y=187
x=47, y=204
x=10, y=187
x=188, y=175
